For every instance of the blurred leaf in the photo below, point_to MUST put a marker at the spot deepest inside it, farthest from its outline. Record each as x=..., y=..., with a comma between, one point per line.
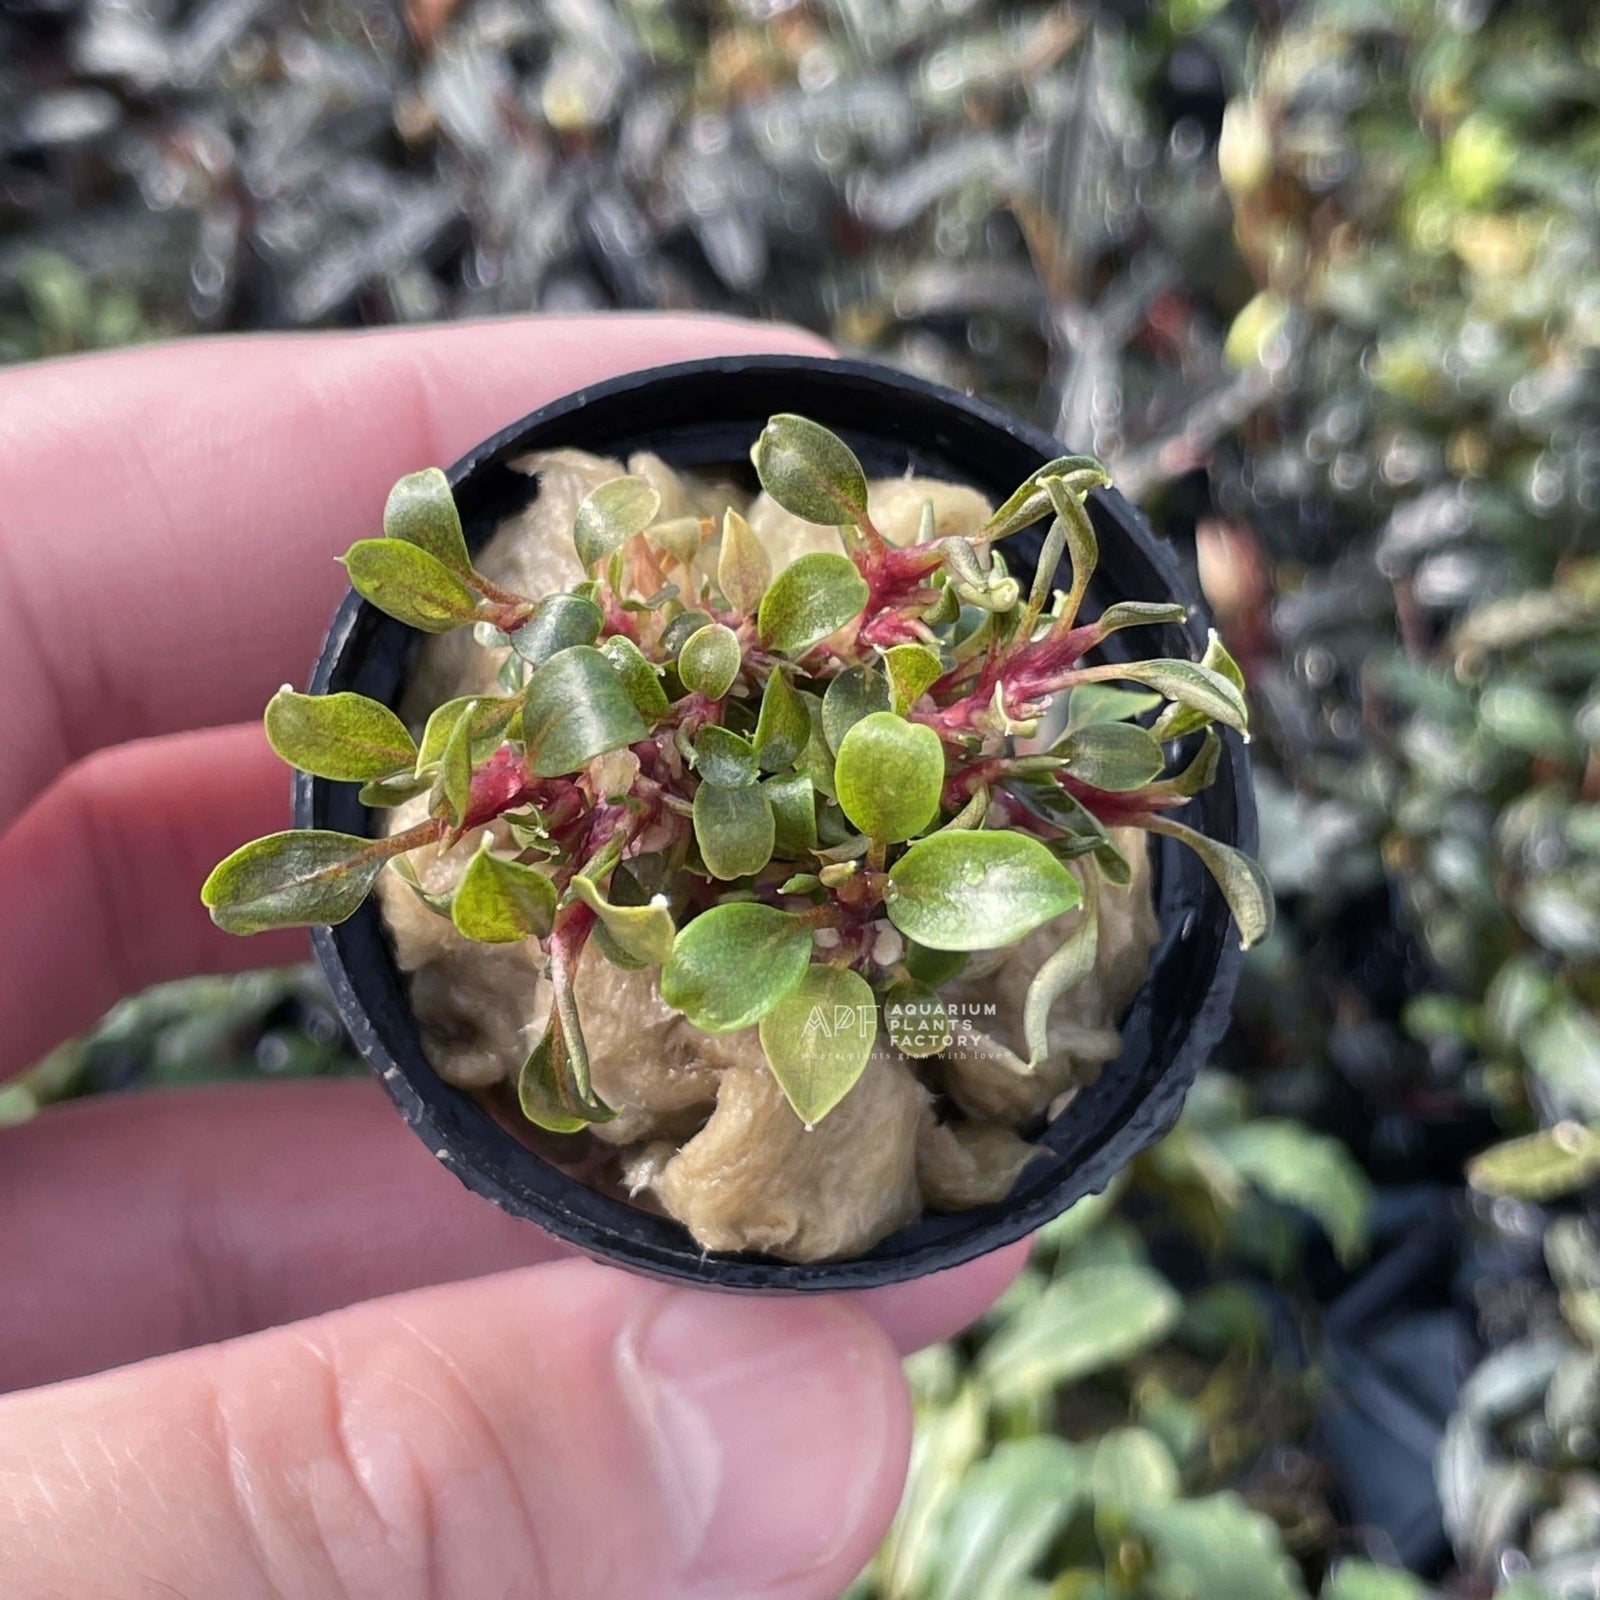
x=1214, y=1547
x=1361, y=1580
x=1004, y=1516
x=1543, y=1166
x=1086, y=1321
x=1291, y=1164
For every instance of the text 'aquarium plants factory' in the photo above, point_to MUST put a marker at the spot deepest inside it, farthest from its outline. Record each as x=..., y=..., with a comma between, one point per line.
x=776, y=823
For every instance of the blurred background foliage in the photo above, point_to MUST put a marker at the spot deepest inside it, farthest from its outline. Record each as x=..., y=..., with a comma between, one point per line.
x=1321, y=280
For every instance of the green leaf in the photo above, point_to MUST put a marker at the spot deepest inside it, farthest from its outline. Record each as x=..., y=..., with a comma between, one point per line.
x=784, y=726
x=342, y=736
x=561, y=621
x=1032, y=500
x=816, y=760
x=710, y=661
x=298, y=879
x=552, y=1088
x=1083, y=548
x=1131, y=1468
x=734, y=963
x=1091, y=703
x=1362, y=1580
x=734, y=829
x=676, y=633
x=1190, y=684
x=933, y=967
x=489, y=716
x=574, y=709
x=818, y=1039
x=794, y=815
x=1086, y=833
x=1137, y=614
x=640, y=679
x=810, y=472
x=640, y=935
x=890, y=775
x=855, y=693
x=1065, y=969
x=452, y=788
x=1202, y=771
x=421, y=510
x=977, y=891
x=381, y=793
x=1005, y=1514
x=912, y=669
x=743, y=567
x=723, y=757
x=1215, y=1546
x=1118, y=756
x=916, y=1020
x=1088, y=1320
x=1180, y=719
x=500, y=902
x=610, y=516
x=1543, y=1166
x=410, y=585
x=1289, y=1163
x=1244, y=885
x=810, y=599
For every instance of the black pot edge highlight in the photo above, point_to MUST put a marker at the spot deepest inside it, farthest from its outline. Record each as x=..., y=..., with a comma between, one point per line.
x=887, y=416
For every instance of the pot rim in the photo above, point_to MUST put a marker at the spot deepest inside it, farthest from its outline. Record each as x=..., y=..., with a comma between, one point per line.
x=590, y=1220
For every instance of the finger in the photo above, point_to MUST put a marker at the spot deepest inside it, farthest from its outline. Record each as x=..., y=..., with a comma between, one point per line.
x=218, y=1211
x=564, y=1430
x=100, y=879
x=171, y=515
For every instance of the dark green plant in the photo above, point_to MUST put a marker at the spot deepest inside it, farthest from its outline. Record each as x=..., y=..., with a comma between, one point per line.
x=708, y=775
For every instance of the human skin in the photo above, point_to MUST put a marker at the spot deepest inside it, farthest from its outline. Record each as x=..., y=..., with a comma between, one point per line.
x=337, y=1374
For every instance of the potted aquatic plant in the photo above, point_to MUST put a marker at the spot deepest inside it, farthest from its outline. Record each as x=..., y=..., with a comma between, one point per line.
x=751, y=876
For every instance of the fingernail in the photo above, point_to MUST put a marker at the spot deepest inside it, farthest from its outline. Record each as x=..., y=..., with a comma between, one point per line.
x=777, y=1434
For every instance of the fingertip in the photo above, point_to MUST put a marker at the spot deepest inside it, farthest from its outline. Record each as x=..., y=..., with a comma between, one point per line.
x=941, y=1305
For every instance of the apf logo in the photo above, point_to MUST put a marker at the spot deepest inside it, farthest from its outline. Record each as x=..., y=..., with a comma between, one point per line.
x=828, y=1022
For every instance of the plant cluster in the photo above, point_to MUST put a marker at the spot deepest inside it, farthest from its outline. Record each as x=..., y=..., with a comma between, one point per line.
x=790, y=791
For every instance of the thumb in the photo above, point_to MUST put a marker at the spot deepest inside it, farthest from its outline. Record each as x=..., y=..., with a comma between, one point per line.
x=564, y=1430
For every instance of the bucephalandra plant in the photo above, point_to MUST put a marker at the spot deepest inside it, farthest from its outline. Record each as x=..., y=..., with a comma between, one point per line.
x=736, y=777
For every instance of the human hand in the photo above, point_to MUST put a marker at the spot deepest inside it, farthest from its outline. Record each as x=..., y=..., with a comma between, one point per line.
x=559, y=1428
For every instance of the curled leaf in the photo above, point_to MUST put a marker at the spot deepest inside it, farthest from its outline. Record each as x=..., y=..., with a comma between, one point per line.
x=640, y=678
x=500, y=902
x=784, y=725
x=912, y=669
x=1244, y=885
x=631, y=937
x=1071, y=963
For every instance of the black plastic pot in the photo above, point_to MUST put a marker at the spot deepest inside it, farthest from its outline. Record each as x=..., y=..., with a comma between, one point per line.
x=705, y=414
